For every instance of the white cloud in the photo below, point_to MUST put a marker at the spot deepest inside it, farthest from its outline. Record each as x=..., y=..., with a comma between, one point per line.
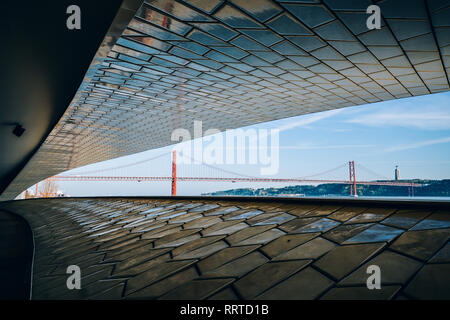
x=419, y=144
x=427, y=112
x=316, y=147
x=308, y=119
x=420, y=120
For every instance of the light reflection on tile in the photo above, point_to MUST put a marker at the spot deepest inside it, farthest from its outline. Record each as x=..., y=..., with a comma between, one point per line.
x=377, y=233
x=322, y=225
x=435, y=221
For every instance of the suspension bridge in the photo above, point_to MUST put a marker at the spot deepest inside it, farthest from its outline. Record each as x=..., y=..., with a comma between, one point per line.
x=217, y=174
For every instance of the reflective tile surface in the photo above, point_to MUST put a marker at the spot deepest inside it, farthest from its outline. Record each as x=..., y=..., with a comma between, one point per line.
x=232, y=249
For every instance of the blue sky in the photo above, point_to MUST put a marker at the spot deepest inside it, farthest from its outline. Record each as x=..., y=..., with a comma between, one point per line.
x=413, y=133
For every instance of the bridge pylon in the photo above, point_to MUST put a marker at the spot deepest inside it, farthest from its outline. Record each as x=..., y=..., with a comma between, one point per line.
x=174, y=173
x=352, y=176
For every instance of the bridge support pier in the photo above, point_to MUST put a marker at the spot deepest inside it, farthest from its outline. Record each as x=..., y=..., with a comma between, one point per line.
x=174, y=173
x=351, y=170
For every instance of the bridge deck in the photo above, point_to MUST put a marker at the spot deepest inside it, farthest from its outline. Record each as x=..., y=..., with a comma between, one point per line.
x=237, y=248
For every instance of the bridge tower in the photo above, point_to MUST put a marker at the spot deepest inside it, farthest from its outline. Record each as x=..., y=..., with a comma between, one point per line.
x=396, y=174
x=174, y=173
x=352, y=176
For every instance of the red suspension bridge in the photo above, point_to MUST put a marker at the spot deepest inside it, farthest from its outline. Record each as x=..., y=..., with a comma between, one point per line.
x=233, y=177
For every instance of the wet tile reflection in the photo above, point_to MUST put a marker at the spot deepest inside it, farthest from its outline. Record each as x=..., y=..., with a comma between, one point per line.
x=377, y=233
x=152, y=247
x=435, y=221
x=322, y=225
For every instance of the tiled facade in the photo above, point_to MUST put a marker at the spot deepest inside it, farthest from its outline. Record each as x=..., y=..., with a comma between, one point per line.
x=235, y=63
x=228, y=249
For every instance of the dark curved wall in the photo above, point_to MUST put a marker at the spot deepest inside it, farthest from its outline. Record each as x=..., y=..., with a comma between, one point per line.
x=42, y=66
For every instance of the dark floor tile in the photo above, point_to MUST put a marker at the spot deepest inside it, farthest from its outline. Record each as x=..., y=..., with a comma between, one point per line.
x=278, y=219
x=261, y=217
x=371, y=215
x=153, y=210
x=346, y=231
x=161, y=232
x=395, y=269
x=322, y=225
x=322, y=211
x=150, y=227
x=245, y=215
x=224, y=256
x=46, y=283
x=422, y=244
x=267, y=276
x=155, y=273
x=226, y=227
x=221, y=211
x=376, y=233
x=138, y=264
x=61, y=291
x=177, y=238
x=126, y=241
x=301, y=210
x=238, y=267
x=162, y=287
x=225, y=294
x=204, y=208
x=435, y=221
x=171, y=215
x=98, y=288
x=405, y=219
x=190, y=206
x=195, y=244
x=262, y=238
x=295, y=224
x=186, y=217
x=442, y=256
x=287, y=242
x=344, y=259
x=203, y=251
x=304, y=285
x=361, y=293
x=346, y=213
x=197, y=289
x=114, y=293
x=139, y=247
x=310, y=250
x=246, y=233
x=432, y=282
x=204, y=222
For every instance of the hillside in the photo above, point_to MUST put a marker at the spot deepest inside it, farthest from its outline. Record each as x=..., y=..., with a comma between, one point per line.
x=431, y=188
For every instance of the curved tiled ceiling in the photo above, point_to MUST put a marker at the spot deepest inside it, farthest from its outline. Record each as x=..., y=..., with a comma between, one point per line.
x=240, y=62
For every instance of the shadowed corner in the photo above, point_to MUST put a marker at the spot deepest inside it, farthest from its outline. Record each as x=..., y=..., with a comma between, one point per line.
x=16, y=257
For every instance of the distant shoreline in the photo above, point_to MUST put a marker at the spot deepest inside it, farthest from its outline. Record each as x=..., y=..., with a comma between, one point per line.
x=431, y=188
